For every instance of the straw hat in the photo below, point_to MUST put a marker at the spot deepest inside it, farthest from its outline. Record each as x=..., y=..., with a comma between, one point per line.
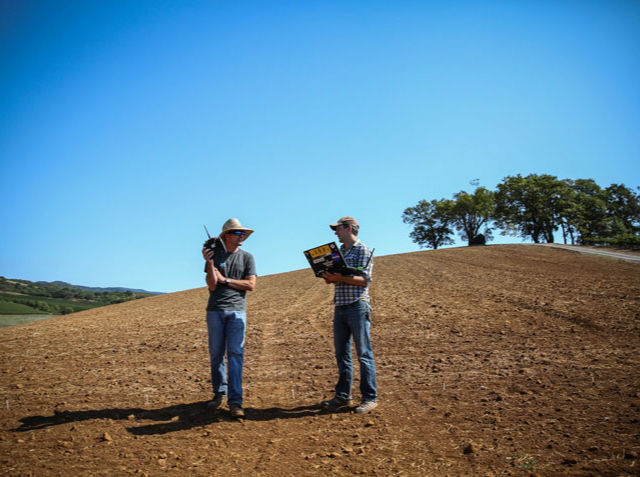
x=234, y=224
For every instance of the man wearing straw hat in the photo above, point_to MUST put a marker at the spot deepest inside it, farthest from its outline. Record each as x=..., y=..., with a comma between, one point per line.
x=231, y=272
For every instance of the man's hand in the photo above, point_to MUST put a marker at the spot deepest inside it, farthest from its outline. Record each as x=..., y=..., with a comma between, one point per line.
x=207, y=254
x=219, y=275
x=332, y=277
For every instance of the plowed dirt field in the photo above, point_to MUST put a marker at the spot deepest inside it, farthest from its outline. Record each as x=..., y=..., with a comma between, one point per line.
x=497, y=360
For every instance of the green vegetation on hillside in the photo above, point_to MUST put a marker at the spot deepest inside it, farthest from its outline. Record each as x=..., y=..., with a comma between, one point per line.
x=11, y=308
x=23, y=296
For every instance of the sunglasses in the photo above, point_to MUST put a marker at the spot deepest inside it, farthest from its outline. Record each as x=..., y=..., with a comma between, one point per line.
x=238, y=232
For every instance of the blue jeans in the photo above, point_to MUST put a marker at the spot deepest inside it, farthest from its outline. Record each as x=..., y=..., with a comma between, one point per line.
x=351, y=323
x=226, y=335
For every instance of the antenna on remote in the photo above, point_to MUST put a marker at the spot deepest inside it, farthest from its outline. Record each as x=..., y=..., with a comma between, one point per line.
x=370, y=257
x=367, y=264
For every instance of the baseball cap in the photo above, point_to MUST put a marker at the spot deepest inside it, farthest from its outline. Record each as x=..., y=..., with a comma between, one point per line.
x=345, y=221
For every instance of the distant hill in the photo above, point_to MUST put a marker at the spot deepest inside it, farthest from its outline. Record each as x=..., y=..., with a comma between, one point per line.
x=102, y=289
x=59, y=298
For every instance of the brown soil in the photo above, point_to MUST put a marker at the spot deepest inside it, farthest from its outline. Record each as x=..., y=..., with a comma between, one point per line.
x=499, y=360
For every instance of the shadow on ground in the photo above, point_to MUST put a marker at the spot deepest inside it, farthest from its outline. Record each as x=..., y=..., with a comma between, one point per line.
x=179, y=417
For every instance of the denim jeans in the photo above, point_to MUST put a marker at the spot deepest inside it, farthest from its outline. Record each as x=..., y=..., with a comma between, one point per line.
x=352, y=323
x=226, y=335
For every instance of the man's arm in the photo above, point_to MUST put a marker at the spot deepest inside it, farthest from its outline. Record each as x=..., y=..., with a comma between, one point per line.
x=246, y=284
x=357, y=280
x=212, y=276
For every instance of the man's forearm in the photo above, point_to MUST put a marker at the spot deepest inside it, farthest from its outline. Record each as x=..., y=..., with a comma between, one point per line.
x=242, y=285
x=211, y=279
x=355, y=280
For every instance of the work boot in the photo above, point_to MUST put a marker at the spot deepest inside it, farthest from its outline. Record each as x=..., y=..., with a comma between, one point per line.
x=236, y=410
x=335, y=404
x=215, y=402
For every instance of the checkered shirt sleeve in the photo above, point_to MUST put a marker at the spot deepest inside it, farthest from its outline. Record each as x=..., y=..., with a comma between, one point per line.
x=357, y=256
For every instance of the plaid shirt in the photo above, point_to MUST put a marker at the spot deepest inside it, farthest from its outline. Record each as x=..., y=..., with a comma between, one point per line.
x=356, y=256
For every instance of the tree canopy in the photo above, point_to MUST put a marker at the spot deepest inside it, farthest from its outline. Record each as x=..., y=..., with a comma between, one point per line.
x=534, y=207
x=430, y=223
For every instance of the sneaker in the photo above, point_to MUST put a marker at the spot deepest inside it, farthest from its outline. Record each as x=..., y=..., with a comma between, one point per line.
x=366, y=406
x=236, y=410
x=335, y=403
x=215, y=402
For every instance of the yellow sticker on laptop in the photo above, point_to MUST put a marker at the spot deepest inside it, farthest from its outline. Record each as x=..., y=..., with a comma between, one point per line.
x=318, y=251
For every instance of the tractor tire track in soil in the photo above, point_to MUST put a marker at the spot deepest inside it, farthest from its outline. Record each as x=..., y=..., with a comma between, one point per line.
x=496, y=360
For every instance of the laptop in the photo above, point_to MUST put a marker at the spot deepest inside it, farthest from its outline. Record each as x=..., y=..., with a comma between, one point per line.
x=326, y=258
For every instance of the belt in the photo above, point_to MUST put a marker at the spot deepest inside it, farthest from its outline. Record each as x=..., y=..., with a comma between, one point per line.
x=352, y=304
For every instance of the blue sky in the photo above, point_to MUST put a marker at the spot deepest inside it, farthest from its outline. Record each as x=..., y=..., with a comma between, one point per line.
x=125, y=126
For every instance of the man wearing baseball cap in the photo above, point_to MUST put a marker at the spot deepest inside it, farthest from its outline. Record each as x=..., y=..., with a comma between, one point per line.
x=231, y=272
x=352, y=320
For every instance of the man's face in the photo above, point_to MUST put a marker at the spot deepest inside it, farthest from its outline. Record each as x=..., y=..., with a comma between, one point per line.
x=234, y=238
x=342, y=232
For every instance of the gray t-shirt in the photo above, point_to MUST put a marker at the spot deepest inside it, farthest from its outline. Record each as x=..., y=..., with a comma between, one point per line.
x=237, y=265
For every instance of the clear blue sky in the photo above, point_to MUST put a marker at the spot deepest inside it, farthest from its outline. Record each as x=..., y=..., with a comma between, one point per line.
x=127, y=125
